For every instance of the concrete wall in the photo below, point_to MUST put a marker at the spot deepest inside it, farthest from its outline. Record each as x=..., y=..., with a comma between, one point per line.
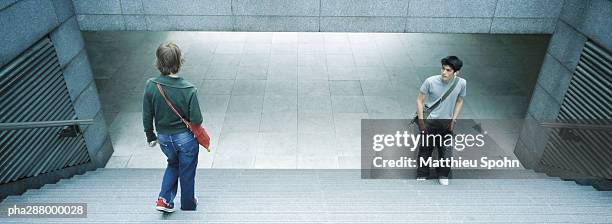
x=430, y=16
x=579, y=20
x=23, y=23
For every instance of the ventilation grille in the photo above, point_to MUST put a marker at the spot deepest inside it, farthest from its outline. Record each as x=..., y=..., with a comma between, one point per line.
x=587, y=101
x=32, y=89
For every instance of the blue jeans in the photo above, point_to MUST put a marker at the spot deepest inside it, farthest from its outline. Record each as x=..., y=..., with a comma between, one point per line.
x=182, y=152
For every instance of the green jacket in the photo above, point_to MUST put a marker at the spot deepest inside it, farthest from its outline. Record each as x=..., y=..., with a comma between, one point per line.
x=183, y=96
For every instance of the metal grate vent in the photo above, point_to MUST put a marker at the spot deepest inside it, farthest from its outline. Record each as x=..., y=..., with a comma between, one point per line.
x=588, y=101
x=32, y=89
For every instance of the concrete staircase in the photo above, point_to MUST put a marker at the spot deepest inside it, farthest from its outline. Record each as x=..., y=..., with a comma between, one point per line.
x=323, y=196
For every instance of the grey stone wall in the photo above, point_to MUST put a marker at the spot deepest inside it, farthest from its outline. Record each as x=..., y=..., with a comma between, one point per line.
x=429, y=16
x=23, y=23
x=579, y=20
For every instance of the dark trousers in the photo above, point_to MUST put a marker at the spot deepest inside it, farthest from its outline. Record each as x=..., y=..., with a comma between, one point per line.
x=435, y=127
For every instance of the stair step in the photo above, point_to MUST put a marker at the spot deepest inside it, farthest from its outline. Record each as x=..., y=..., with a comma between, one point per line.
x=323, y=196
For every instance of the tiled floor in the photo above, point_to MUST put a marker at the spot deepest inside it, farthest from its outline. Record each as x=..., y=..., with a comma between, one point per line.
x=295, y=100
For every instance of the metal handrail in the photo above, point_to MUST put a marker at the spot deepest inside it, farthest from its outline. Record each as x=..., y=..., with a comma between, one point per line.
x=44, y=124
x=577, y=126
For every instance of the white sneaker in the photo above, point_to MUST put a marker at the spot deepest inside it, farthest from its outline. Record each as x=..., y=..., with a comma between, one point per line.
x=443, y=181
x=421, y=178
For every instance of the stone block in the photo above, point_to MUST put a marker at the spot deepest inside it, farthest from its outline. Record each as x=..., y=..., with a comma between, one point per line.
x=24, y=23
x=523, y=26
x=596, y=23
x=277, y=23
x=543, y=107
x=67, y=40
x=364, y=7
x=95, y=135
x=104, y=153
x=135, y=22
x=184, y=23
x=524, y=155
x=132, y=7
x=529, y=8
x=362, y=24
x=101, y=22
x=554, y=78
x=448, y=25
x=87, y=104
x=63, y=9
x=78, y=75
x=452, y=8
x=97, y=7
x=6, y=3
x=573, y=12
x=187, y=7
x=533, y=138
x=276, y=7
x=566, y=45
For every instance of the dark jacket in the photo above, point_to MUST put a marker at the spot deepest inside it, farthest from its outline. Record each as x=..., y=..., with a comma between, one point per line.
x=182, y=95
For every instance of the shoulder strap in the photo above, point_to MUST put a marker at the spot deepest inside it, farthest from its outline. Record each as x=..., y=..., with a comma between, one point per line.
x=448, y=91
x=159, y=87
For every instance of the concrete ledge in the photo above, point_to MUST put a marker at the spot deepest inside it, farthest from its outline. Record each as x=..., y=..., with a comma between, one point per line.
x=452, y=8
x=384, y=8
x=529, y=8
x=185, y=23
x=97, y=6
x=523, y=26
x=187, y=7
x=132, y=7
x=433, y=16
x=448, y=25
x=275, y=7
x=101, y=22
x=274, y=23
x=135, y=22
x=362, y=24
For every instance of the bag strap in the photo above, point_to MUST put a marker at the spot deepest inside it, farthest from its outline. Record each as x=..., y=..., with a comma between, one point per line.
x=448, y=91
x=159, y=87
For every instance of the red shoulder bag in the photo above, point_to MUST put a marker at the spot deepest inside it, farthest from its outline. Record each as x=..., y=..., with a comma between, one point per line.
x=199, y=133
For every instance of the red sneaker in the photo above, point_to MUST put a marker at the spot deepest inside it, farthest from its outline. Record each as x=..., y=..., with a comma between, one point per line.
x=162, y=206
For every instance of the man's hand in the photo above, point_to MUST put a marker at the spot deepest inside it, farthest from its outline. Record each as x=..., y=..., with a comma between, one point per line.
x=451, y=125
x=422, y=127
x=152, y=143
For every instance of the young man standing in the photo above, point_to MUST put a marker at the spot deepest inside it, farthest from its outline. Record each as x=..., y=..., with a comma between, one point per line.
x=442, y=118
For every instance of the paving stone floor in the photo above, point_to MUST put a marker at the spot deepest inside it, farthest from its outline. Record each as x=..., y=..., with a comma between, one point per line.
x=295, y=100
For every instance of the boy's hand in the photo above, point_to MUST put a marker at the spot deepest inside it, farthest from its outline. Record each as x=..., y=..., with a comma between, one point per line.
x=152, y=143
